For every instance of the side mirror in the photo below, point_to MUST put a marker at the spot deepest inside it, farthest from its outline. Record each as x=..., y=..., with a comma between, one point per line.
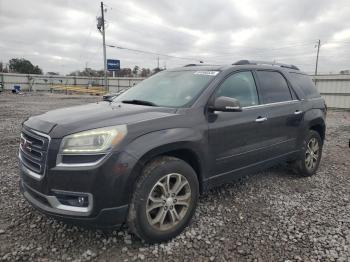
x=226, y=104
x=109, y=97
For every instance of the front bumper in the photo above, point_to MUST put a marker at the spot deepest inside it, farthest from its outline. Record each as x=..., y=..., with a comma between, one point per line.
x=107, y=217
x=107, y=186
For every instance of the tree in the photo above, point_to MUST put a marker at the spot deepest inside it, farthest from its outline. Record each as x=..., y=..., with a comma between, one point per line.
x=23, y=66
x=52, y=73
x=124, y=72
x=135, y=70
x=157, y=70
x=87, y=72
x=145, y=72
x=3, y=68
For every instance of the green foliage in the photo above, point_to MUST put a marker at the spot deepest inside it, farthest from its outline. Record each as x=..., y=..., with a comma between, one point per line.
x=87, y=72
x=157, y=70
x=145, y=72
x=23, y=66
x=124, y=72
x=136, y=70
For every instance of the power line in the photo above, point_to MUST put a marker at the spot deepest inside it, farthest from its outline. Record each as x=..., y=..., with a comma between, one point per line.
x=261, y=50
x=149, y=21
x=198, y=59
x=155, y=53
x=87, y=39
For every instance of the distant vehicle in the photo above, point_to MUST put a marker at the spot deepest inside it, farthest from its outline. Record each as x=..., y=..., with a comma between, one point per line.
x=144, y=158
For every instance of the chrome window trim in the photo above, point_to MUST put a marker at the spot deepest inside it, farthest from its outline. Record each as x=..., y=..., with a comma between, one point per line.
x=272, y=104
x=314, y=98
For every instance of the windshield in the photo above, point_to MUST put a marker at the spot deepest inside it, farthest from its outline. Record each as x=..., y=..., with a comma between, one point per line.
x=169, y=88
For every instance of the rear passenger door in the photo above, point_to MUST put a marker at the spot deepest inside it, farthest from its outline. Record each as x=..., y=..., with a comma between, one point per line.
x=284, y=113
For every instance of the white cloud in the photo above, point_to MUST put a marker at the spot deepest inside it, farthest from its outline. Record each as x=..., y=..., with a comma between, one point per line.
x=242, y=36
x=342, y=35
x=61, y=35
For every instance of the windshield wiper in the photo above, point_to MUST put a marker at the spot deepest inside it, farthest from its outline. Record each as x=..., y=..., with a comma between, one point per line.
x=139, y=102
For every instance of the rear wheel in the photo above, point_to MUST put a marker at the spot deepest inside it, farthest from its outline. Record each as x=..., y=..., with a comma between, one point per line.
x=164, y=200
x=309, y=161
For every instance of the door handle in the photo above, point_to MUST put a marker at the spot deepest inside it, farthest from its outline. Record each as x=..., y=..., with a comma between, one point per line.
x=260, y=119
x=298, y=112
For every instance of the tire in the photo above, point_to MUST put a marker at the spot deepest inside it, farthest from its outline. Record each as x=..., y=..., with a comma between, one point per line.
x=151, y=199
x=303, y=166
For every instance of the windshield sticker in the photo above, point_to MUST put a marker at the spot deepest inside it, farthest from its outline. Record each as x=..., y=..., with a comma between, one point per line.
x=207, y=73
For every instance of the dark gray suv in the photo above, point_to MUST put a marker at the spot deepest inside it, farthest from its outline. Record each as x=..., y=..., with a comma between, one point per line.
x=144, y=158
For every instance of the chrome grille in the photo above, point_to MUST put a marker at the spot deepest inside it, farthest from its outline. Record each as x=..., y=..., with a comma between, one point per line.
x=33, y=151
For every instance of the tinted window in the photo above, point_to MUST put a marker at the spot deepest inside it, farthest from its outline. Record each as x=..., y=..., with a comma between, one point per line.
x=273, y=87
x=170, y=88
x=240, y=86
x=306, y=85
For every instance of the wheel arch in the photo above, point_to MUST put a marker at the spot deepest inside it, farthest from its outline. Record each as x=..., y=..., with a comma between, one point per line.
x=320, y=127
x=179, y=150
x=315, y=120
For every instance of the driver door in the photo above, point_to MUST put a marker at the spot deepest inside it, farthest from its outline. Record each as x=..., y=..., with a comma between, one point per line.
x=235, y=137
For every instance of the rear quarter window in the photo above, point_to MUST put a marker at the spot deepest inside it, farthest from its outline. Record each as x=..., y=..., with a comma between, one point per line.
x=304, y=82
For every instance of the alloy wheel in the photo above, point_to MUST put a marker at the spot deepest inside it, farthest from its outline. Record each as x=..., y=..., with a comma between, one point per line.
x=312, y=153
x=168, y=201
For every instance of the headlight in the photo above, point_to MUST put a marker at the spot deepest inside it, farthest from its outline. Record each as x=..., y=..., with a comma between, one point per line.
x=93, y=141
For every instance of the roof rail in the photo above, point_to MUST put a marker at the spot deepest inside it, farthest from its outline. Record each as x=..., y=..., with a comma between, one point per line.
x=199, y=65
x=253, y=62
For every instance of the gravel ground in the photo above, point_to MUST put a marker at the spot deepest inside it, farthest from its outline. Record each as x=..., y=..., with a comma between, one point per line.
x=272, y=216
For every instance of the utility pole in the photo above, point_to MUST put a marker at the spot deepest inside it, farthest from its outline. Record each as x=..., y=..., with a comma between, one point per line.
x=104, y=46
x=318, y=52
x=158, y=62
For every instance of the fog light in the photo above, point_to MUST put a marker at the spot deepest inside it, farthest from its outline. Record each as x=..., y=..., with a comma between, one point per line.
x=81, y=200
x=72, y=199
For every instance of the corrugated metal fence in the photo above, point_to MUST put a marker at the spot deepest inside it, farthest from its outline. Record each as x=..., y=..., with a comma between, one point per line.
x=334, y=88
x=46, y=82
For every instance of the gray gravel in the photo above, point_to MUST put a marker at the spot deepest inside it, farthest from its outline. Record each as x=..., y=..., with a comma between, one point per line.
x=272, y=216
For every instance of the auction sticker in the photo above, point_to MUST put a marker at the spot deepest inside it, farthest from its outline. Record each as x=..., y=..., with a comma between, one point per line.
x=207, y=73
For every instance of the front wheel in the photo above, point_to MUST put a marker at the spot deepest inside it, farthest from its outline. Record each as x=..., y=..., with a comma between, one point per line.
x=309, y=161
x=164, y=200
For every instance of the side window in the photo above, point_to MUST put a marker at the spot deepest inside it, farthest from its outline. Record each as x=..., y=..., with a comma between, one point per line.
x=273, y=87
x=306, y=85
x=240, y=86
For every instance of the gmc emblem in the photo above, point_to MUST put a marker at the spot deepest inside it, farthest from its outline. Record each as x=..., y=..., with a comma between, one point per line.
x=25, y=144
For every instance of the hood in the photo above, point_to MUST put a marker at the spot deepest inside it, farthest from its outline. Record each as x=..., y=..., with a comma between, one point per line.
x=70, y=120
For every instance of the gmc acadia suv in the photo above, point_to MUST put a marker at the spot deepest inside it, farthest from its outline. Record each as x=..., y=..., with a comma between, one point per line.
x=144, y=158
